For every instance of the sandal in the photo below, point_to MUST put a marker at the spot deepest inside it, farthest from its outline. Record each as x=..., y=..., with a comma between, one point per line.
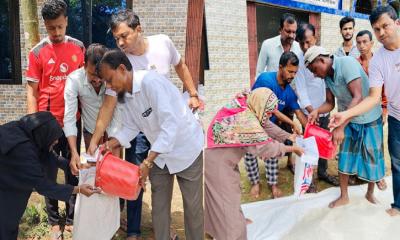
x=312, y=188
x=55, y=233
x=332, y=180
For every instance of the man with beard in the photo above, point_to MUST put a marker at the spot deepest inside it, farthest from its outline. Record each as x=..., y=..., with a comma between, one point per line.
x=50, y=62
x=348, y=47
x=272, y=48
x=279, y=83
x=269, y=56
x=384, y=68
x=156, y=52
x=153, y=105
x=85, y=88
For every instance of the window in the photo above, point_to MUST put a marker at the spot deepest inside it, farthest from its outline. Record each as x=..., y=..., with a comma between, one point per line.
x=364, y=6
x=10, y=58
x=88, y=20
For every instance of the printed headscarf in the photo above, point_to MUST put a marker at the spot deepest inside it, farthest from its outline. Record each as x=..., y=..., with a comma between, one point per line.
x=262, y=101
x=241, y=122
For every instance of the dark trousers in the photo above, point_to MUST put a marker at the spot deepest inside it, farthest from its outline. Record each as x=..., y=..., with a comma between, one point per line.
x=394, y=152
x=287, y=127
x=12, y=207
x=52, y=204
x=138, y=151
x=323, y=163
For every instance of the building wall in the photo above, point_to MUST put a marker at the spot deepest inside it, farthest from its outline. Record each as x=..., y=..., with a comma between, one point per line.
x=157, y=16
x=13, y=97
x=226, y=23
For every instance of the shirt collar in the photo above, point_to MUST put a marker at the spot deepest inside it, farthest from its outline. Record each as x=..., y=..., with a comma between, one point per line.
x=360, y=59
x=87, y=84
x=278, y=42
x=137, y=82
x=334, y=62
x=352, y=47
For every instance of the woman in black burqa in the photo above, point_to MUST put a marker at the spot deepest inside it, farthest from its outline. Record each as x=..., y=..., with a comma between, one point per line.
x=24, y=161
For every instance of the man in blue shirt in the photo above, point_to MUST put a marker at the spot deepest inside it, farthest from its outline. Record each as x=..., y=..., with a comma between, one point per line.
x=360, y=138
x=279, y=83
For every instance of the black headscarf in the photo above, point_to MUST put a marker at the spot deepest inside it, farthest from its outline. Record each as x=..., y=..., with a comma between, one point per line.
x=42, y=128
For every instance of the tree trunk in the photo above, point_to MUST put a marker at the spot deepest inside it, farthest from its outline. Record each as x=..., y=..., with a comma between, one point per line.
x=31, y=23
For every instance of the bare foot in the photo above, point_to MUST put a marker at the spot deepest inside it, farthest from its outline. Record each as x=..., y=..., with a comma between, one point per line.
x=393, y=212
x=371, y=198
x=55, y=232
x=339, y=202
x=69, y=228
x=255, y=190
x=381, y=185
x=276, y=192
x=248, y=221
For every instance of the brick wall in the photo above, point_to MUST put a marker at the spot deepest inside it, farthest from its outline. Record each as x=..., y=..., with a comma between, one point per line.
x=226, y=24
x=157, y=16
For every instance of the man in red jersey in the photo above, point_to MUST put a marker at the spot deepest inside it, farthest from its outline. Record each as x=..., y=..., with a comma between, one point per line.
x=50, y=62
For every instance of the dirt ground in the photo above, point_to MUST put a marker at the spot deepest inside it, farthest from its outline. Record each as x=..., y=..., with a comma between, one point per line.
x=39, y=229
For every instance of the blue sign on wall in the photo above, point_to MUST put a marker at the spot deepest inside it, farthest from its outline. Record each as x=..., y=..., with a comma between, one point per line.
x=320, y=6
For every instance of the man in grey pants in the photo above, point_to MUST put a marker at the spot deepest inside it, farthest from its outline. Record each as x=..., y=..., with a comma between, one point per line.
x=154, y=106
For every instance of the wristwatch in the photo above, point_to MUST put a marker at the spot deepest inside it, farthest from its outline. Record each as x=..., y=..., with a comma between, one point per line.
x=194, y=94
x=148, y=164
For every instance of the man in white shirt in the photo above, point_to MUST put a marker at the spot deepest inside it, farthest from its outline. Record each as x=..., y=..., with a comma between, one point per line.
x=155, y=52
x=153, y=105
x=348, y=47
x=84, y=86
x=311, y=94
x=272, y=48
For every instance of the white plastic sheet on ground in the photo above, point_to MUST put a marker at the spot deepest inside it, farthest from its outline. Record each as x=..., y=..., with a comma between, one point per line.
x=308, y=217
x=96, y=217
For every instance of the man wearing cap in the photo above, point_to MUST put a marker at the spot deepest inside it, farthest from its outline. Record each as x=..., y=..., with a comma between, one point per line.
x=311, y=95
x=360, y=138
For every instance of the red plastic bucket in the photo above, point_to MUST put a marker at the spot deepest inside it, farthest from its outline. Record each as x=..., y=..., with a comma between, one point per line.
x=323, y=137
x=117, y=177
